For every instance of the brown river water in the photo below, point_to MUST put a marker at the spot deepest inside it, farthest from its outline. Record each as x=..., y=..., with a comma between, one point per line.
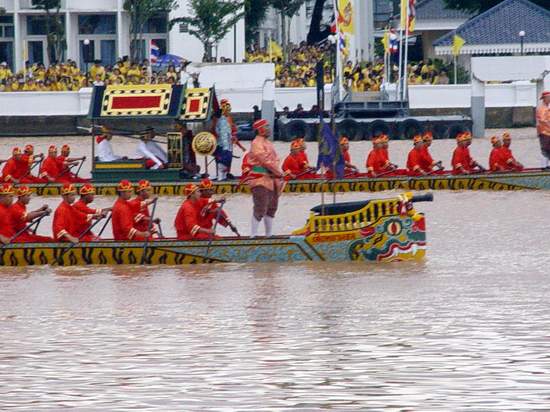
x=468, y=329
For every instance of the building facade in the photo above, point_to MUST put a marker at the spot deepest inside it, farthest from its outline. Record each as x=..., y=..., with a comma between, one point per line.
x=106, y=26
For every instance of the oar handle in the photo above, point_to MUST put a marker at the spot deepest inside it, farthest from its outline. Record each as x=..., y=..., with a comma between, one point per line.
x=428, y=197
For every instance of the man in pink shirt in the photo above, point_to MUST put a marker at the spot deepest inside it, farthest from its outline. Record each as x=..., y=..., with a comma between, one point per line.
x=265, y=178
x=543, y=128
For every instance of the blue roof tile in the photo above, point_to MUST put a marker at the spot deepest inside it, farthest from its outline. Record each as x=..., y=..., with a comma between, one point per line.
x=502, y=23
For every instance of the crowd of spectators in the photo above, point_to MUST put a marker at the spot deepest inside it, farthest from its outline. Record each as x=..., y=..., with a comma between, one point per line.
x=299, y=70
x=68, y=77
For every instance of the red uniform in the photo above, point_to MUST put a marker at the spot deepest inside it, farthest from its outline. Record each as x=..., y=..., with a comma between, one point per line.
x=68, y=220
x=141, y=213
x=414, y=161
x=188, y=221
x=123, y=221
x=82, y=207
x=18, y=215
x=208, y=214
x=50, y=169
x=462, y=158
x=508, y=159
x=6, y=228
x=29, y=178
x=18, y=170
x=426, y=160
x=377, y=161
x=66, y=173
x=496, y=160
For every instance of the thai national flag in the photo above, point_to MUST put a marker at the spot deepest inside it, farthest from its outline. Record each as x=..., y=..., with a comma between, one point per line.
x=154, y=53
x=394, y=42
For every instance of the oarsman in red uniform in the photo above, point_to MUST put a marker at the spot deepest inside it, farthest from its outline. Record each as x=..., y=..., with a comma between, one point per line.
x=427, y=163
x=30, y=158
x=496, y=162
x=385, y=139
x=20, y=218
x=377, y=161
x=123, y=216
x=462, y=162
x=294, y=165
x=211, y=207
x=266, y=183
x=15, y=168
x=6, y=199
x=349, y=169
x=508, y=158
x=140, y=207
x=87, y=194
x=65, y=162
x=188, y=220
x=49, y=169
x=68, y=222
x=543, y=128
x=414, y=159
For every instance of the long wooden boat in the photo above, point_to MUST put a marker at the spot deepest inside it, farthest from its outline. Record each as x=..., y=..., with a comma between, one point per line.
x=527, y=180
x=385, y=230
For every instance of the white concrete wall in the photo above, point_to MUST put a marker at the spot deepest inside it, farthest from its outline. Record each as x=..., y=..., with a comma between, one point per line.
x=520, y=94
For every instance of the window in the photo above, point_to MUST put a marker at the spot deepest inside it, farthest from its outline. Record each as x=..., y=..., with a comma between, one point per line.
x=157, y=24
x=36, y=25
x=6, y=52
x=97, y=24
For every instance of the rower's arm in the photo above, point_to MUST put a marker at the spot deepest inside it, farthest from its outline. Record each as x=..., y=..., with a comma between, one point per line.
x=4, y=240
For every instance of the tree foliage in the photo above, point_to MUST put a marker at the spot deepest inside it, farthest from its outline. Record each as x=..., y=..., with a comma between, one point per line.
x=211, y=20
x=55, y=29
x=254, y=15
x=286, y=9
x=477, y=6
x=140, y=12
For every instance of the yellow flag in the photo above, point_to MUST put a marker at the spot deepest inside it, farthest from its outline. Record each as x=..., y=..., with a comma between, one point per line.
x=458, y=43
x=386, y=41
x=408, y=15
x=345, y=16
x=275, y=48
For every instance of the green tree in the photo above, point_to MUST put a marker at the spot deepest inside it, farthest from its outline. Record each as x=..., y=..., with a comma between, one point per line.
x=286, y=9
x=55, y=29
x=254, y=14
x=140, y=12
x=477, y=6
x=211, y=20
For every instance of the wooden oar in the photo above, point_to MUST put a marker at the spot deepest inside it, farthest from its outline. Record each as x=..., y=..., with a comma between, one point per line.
x=146, y=243
x=218, y=214
x=84, y=233
x=105, y=225
x=31, y=224
x=61, y=174
x=80, y=166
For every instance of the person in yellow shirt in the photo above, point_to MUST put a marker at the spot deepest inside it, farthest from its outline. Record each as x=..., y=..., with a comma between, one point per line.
x=30, y=86
x=134, y=71
x=5, y=72
x=97, y=69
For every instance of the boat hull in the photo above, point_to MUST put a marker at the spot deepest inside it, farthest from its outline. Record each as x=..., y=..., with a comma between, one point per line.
x=389, y=238
x=490, y=182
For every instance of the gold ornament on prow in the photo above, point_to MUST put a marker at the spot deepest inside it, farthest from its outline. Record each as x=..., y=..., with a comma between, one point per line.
x=204, y=144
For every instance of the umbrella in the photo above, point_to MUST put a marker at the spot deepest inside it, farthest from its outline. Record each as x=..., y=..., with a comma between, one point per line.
x=167, y=60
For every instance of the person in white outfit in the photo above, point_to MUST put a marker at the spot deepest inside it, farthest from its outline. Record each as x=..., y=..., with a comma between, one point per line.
x=154, y=155
x=104, y=150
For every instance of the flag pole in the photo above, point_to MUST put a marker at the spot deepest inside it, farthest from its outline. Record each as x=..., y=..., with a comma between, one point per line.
x=455, y=58
x=338, y=56
x=399, y=77
x=405, y=64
